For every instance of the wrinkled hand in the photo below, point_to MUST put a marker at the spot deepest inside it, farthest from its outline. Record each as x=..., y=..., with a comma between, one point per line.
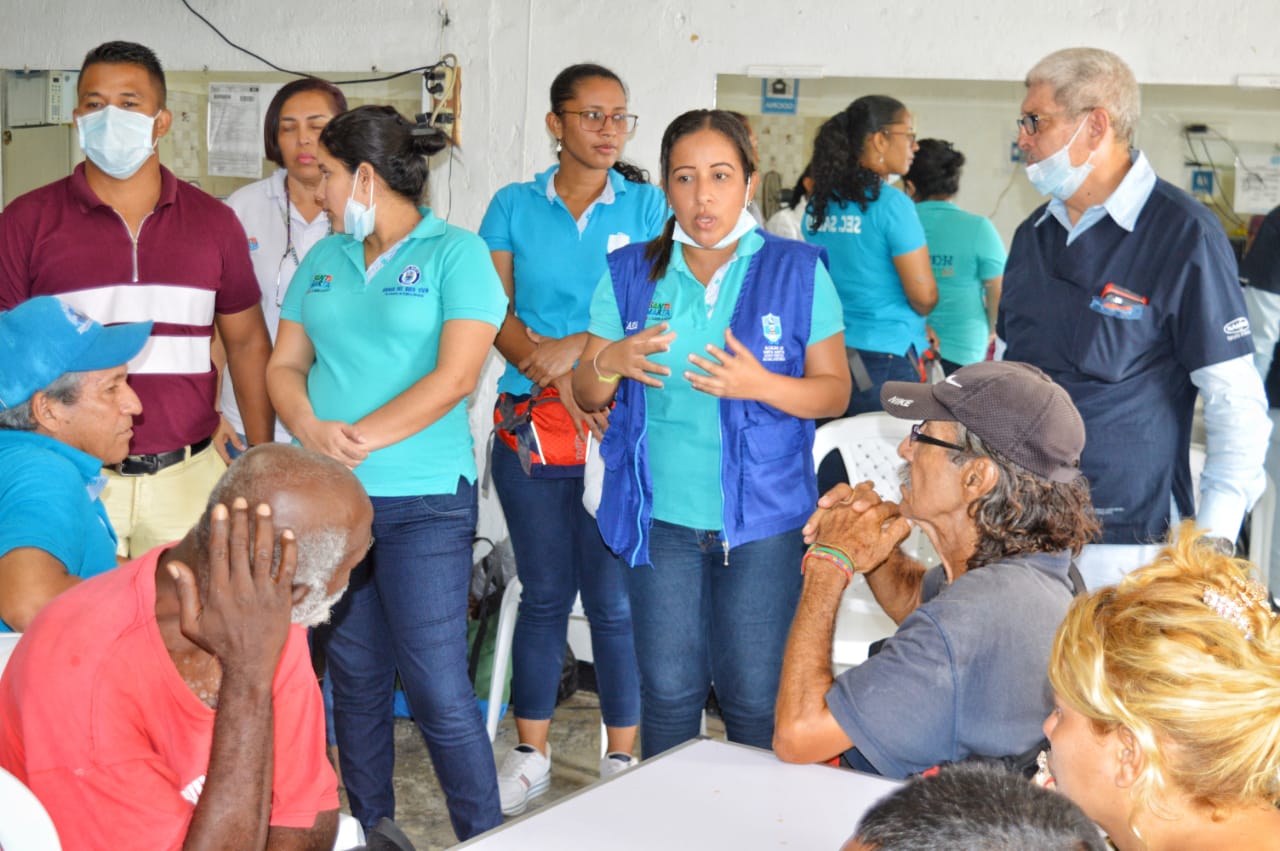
x=583, y=421
x=243, y=619
x=225, y=434
x=629, y=357
x=551, y=358
x=859, y=522
x=340, y=441
x=735, y=374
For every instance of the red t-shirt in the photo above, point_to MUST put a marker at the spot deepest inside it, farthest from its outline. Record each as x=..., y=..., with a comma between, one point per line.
x=96, y=720
x=190, y=261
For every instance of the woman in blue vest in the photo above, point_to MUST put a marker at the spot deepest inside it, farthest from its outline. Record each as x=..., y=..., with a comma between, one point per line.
x=383, y=333
x=548, y=239
x=967, y=254
x=720, y=345
x=879, y=259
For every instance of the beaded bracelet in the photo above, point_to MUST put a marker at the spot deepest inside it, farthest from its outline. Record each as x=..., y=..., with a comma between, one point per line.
x=834, y=555
x=611, y=380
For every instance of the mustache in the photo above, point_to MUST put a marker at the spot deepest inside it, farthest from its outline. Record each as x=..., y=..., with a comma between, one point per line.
x=904, y=475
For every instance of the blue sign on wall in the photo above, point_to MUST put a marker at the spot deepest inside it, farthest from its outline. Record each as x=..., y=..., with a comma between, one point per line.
x=779, y=96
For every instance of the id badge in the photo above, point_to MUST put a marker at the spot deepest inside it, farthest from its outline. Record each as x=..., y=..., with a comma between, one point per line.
x=1119, y=303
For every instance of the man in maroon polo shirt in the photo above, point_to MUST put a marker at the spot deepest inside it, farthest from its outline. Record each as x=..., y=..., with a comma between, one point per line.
x=123, y=240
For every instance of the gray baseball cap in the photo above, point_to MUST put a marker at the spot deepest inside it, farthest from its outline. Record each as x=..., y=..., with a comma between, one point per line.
x=1013, y=407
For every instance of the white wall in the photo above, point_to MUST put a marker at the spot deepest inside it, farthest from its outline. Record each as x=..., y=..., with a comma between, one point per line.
x=669, y=51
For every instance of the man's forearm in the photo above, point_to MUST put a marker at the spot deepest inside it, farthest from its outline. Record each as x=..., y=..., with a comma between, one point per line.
x=248, y=365
x=897, y=585
x=235, y=805
x=803, y=725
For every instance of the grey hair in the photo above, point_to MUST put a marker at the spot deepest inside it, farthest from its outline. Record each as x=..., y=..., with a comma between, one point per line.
x=1084, y=78
x=1025, y=513
x=973, y=805
x=65, y=389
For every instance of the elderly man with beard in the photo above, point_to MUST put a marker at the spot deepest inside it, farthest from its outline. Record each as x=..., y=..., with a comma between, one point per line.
x=993, y=479
x=171, y=702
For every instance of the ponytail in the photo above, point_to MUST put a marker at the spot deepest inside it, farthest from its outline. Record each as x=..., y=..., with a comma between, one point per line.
x=633, y=173
x=658, y=251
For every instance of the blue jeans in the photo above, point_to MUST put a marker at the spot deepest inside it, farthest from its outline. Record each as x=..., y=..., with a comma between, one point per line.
x=406, y=610
x=559, y=553
x=699, y=621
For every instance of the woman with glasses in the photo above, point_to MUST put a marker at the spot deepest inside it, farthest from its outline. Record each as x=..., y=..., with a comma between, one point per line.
x=383, y=334
x=720, y=344
x=968, y=257
x=549, y=239
x=281, y=217
x=879, y=258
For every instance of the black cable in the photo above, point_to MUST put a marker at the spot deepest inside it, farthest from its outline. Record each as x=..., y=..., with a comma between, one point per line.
x=1236, y=152
x=276, y=67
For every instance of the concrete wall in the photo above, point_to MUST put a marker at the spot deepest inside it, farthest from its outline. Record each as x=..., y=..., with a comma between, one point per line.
x=669, y=51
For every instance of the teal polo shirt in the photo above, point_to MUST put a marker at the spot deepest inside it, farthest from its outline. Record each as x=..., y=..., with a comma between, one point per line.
x=49, y=500
x=557, y=260
x=683, y=424
x=965, y=250
x=375, y=339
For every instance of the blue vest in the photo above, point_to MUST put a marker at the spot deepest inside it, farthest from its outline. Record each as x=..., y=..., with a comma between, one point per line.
x=766, y=471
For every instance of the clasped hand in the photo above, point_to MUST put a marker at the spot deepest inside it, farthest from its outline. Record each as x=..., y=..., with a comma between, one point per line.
x=859, y=522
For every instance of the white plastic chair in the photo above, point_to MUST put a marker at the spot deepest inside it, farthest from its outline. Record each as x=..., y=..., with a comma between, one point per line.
x=24, y=824
x=868, y=445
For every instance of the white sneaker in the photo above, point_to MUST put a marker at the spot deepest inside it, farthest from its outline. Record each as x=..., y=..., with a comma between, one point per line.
x=616, y=763
x=525, y=774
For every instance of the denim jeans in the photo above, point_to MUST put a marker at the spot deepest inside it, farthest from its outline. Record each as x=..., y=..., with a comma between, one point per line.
x=559, y=553
x=406, y=610
x=700, y=621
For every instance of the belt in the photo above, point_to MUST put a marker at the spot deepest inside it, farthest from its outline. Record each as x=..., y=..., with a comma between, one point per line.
x=146, y=465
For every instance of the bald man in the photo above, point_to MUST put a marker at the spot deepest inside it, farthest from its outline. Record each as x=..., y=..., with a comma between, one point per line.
x=171, y=702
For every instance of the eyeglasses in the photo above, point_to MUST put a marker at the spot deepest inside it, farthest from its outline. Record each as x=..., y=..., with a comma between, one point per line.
x=918, y=436
x=911, y=137
x=593, y=120
x=1030, y=122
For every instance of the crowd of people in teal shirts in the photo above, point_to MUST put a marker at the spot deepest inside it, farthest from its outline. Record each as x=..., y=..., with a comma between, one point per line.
x=656, y=320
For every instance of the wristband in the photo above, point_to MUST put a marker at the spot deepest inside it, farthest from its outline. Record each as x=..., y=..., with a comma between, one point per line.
x=834, y=555
x=602, y=379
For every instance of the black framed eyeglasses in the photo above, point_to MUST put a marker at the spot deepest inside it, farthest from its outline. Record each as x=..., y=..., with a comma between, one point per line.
x=1030, y=122
x=593, y=119
x=918, y=436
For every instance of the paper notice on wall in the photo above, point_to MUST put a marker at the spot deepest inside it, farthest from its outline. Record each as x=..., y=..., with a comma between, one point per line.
x=235, y=130
x=1257, y=183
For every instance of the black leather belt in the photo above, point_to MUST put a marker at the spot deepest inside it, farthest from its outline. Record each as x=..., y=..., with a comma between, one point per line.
x=146, y=465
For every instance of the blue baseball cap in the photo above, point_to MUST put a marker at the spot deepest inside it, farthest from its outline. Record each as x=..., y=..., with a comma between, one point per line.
x=42, y=339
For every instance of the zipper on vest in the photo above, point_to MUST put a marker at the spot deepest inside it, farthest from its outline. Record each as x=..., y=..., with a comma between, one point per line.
x=635, y=466
x=133, y=240
x=724, y=542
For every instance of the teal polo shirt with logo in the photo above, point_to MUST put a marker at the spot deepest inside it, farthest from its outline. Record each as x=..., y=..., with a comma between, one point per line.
x=376, y=338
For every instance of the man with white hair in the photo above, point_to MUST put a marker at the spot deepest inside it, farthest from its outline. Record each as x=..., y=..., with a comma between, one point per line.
x=1123, y=289
x=171, y=702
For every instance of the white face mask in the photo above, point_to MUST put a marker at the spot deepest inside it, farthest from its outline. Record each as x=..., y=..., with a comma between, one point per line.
x=745, y=224
x=116, y=140
x=1056, y=175
x=357, y=219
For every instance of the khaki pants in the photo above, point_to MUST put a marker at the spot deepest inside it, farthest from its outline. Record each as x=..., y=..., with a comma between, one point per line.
x=147, y=511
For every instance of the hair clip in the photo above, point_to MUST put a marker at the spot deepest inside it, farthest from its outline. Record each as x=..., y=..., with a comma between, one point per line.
x=1235, y=606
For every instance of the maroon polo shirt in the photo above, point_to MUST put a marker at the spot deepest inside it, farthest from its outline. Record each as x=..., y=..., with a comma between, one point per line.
x=190, y=261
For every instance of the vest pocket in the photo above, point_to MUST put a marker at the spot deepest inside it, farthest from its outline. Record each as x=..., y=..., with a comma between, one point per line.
x=777, y=464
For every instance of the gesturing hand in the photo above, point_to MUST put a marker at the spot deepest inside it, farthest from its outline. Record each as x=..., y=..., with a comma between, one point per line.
x=735, y=374
x=629, y=357
x=243, y=619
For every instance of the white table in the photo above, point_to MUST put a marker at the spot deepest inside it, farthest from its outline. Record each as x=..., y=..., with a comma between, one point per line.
x=704, y=794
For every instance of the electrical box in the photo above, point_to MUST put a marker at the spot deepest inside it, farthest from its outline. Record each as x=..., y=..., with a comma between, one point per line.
x=37, y=98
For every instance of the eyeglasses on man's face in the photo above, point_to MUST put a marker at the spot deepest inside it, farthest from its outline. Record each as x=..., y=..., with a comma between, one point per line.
x=593, y=120
x=918, y=436
x=1033, y=122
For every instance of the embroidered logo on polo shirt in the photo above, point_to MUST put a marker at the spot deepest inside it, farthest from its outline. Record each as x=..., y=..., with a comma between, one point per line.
x=1119, y=303
x=409, y=283
x=253, y=243
x=320, y=284
x=1237, y=328
x=660, y=311
x=771, y=324
x=616, y=241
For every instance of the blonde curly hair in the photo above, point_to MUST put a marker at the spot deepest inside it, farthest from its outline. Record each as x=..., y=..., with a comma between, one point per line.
x=1198, y=689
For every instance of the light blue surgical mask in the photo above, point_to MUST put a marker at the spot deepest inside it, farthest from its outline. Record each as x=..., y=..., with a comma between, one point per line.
x=745, y=224
x=357, y=219
x=116, y=140
x=1056, y=175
